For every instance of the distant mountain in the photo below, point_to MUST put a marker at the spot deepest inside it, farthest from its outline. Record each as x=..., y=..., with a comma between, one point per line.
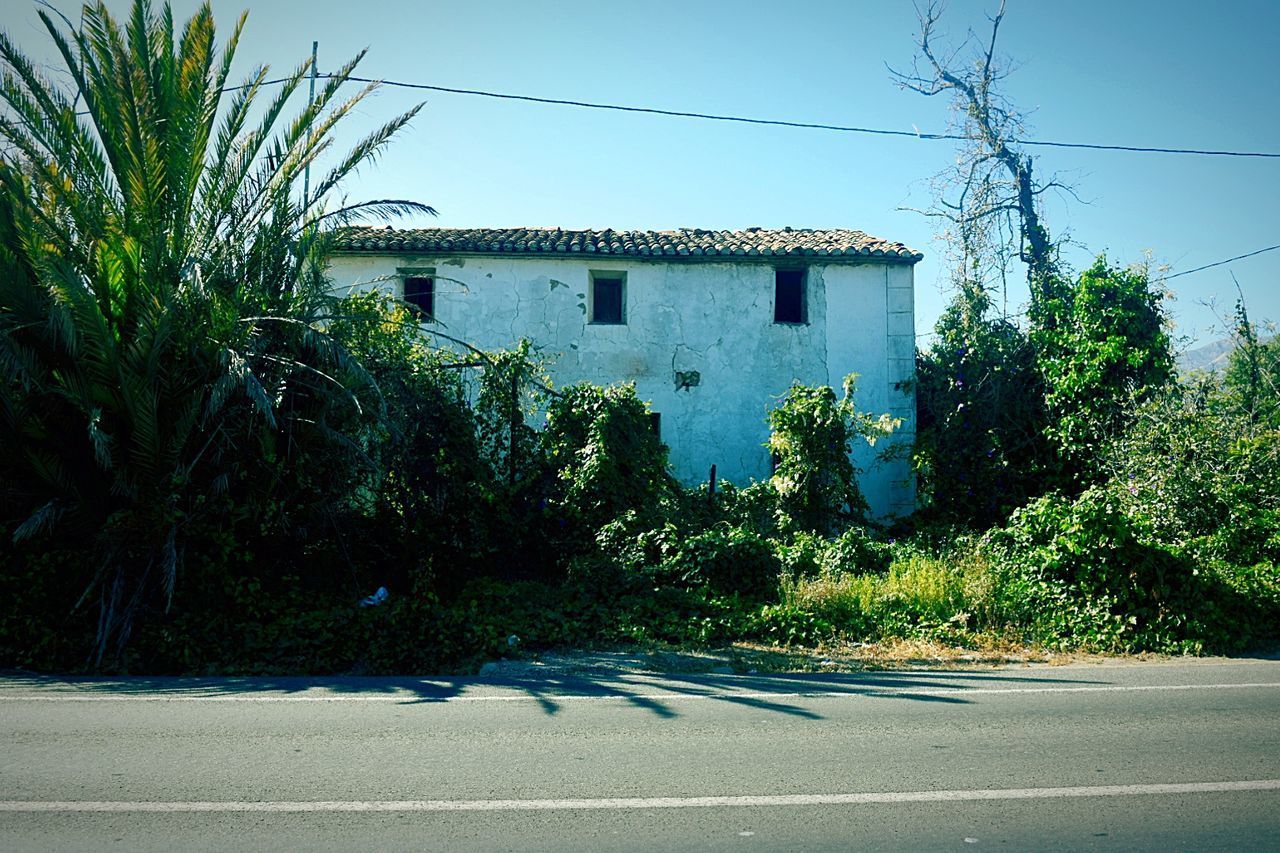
x=1210, y=357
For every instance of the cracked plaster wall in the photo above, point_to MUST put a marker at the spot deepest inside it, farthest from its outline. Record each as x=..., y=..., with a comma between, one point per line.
x=709, y=318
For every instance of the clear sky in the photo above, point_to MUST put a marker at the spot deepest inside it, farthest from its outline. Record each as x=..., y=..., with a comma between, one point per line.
x=1165, y=73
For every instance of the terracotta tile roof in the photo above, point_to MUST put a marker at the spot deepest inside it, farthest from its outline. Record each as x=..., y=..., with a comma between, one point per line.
x=686, y=242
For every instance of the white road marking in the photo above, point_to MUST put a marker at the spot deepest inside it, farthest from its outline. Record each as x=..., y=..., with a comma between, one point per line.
x=622, y=803
x=407, y=696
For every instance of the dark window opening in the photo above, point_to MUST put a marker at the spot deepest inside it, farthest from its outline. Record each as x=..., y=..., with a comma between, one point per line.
x=606, y=300
x=655, y=424
x=788, y=296
x=420, y=292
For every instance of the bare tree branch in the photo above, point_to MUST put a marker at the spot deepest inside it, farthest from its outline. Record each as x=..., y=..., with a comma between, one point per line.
x=991, y=194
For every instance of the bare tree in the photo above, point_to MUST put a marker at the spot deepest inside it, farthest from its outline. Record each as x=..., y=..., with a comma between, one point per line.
x=991, y=198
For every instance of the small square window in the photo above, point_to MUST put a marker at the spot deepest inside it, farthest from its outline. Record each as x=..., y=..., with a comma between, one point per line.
x=788, y=296
x=420, y=292
x=608, y=299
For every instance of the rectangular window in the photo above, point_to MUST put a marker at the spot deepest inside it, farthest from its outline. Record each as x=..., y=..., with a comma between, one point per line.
x=420, y=292
x=608, y=299
x=655, y=424
x=788, y=296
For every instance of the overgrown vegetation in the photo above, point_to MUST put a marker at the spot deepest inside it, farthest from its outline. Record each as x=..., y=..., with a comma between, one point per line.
x=209, y=460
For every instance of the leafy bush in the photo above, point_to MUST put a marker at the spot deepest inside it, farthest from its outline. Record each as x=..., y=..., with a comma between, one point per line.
x=981, y=449
x=40, y=625
x=792, y=624
x=811, y=439
x=1252, y=378
x=855, y=551
x=1101, y=346
x=726, y=560
x=425, y=488
x=1201, y=473
x=723, y=559
x=1091, y=574
x=512, y=390
x=755, y=506
x=606, y=458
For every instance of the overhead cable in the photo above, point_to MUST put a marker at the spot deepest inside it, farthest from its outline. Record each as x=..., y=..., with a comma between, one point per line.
x=592, y=105
x=804, y=125
x=1220, y=263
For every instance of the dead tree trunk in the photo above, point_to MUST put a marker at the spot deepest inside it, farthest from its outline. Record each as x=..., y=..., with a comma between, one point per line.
x=993, y=179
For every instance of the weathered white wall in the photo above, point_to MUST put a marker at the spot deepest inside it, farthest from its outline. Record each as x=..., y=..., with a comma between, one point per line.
x=711, y=317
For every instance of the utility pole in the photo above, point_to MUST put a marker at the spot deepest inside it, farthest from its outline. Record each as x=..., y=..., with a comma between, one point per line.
x=311, y=99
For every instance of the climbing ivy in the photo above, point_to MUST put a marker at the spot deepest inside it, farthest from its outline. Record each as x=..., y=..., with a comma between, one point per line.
x=813, y=433
x=1101, y=348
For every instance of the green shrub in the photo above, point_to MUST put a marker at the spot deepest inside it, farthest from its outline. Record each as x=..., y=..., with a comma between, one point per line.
x=724, y=559
x=1090, y=574
x=633, y=557
x=40, y=626
x=801, y=554
x=1195, y=467
x=812, y=436
x=755, y=506
x=791, y=624
x=981, y=450
x=674, y=615
x=856, y=551
x=513, y=388
x=1101, y=346
x=605, y=455
x=1252, y=378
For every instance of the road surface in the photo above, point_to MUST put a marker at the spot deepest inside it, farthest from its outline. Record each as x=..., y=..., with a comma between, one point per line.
x=1118, y=756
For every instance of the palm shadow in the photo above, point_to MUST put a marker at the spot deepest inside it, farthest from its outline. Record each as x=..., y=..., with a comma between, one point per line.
x=659, y=694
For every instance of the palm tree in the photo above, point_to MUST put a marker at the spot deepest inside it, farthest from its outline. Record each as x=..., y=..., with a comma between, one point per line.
x=162, y=294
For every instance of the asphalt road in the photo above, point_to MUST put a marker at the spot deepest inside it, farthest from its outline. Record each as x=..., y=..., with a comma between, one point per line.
x=1166, y=756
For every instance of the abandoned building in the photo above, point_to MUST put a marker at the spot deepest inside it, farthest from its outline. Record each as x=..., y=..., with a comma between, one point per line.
x=711, y=326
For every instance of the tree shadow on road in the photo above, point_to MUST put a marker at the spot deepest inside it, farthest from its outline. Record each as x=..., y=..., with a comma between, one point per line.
x=662, y=695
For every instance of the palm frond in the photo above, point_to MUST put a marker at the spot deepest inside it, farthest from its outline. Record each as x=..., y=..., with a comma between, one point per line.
x=41, y=521
x=366, y=151
x=100, y=440
x=382, y=210
x=162, y=287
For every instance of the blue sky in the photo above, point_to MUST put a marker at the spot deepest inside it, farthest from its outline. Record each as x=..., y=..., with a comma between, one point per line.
x=1168, y=74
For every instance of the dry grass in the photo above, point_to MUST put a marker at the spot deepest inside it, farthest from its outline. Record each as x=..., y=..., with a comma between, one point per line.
x=889, y=654
x=753, y=659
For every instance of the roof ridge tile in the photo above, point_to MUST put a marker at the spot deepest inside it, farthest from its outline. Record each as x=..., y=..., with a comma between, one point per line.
x=676, y=243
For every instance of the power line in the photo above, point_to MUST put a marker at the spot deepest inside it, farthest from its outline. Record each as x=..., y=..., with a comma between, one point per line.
x=805, y=125
x=1220, y=263
x=800, y=124
x=1018, y=314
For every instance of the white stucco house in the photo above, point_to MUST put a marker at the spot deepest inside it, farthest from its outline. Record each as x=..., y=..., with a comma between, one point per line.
x=711, y=326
